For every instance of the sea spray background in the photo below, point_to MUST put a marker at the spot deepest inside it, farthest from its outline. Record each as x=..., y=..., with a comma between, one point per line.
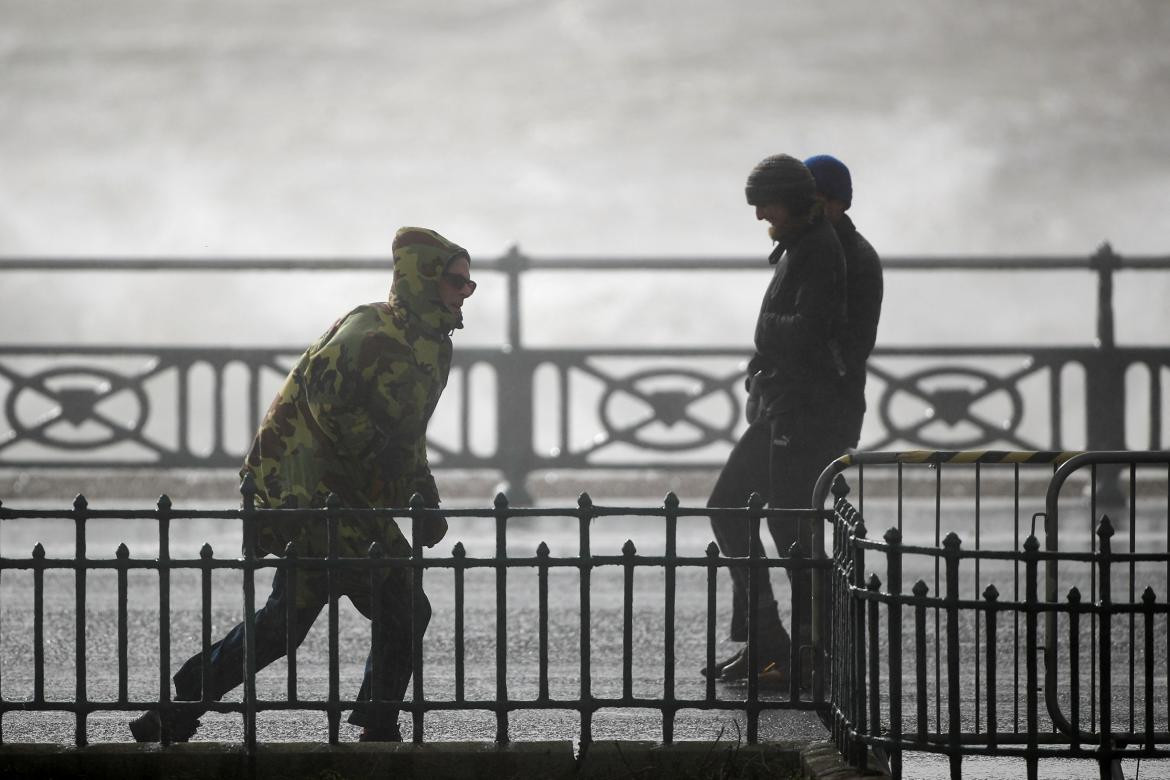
x=156, y=128
x=143, y=128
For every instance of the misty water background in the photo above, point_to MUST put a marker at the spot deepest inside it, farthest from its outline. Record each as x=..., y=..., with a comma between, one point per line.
x=272, y=129
x=198, y=129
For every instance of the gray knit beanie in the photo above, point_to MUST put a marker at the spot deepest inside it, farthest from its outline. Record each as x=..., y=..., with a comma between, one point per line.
x=782, y=179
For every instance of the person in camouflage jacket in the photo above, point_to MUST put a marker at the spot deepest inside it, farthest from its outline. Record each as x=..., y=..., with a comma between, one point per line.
x=350, y=419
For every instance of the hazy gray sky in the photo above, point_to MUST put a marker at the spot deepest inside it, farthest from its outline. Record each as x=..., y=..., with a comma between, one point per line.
x=604, y=127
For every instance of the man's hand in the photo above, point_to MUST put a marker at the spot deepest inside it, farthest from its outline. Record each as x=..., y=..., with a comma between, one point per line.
x=432, y=531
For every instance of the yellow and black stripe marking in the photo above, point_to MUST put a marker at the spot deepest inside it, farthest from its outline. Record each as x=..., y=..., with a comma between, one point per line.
x=960, y=456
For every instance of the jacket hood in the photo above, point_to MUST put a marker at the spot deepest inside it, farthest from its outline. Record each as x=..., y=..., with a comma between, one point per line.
x=420, y=256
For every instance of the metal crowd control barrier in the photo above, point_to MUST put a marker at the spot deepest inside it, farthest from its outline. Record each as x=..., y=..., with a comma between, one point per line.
x=952, y=667
x=751, y=700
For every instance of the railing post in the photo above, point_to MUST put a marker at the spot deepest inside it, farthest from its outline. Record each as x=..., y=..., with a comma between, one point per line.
x=584, y=517
x=1105, y=379
x=857, y=645
x=418, y=514
x=375, y=553
x=80, y=507
x=1148, y=601
x=755, y=515
x=954, y=714
x=1032, y=649
x=333, y=533
x=514, y=391
x=893, y=538
x=1105, y=644
x=248, y=489
x=501, y=565
x=163, y=514
x=670, y=507
x=874, y=652
x=991, y=596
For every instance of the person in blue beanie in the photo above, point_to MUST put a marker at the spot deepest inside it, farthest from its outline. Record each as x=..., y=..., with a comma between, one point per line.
x=863, y=272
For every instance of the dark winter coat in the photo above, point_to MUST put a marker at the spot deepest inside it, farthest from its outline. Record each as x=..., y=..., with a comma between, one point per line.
x=864, y=308
x=797, y=338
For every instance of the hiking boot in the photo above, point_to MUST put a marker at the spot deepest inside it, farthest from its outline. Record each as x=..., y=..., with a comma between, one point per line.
x=148, y=728
x=380, y=734
x=717, y=670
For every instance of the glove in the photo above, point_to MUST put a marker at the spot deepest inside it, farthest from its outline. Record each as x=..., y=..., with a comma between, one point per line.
x=432, y=531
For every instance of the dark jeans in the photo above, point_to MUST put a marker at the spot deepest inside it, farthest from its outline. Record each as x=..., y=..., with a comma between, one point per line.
x=394, y=626
x=781, y=462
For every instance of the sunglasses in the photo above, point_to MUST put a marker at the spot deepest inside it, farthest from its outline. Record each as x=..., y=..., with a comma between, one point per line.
x=459, y=282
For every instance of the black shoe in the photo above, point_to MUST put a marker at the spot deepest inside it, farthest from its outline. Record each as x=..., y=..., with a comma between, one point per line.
x=380, y=734
x=717, y=670
x=148, y=728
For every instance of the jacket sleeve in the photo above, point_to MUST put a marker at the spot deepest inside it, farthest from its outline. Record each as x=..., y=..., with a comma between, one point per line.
x=798, y=339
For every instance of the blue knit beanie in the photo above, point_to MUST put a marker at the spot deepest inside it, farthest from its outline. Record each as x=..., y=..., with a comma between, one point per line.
x=833, y=180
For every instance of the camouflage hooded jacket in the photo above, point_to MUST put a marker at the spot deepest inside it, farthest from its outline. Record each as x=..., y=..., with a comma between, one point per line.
x=351, y=417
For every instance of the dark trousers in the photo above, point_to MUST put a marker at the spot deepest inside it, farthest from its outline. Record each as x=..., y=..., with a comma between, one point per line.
x=780, y=461
x=394, y=628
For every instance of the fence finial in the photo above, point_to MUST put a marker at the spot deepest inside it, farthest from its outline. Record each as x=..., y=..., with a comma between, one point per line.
x=1105, y=528
x=893, y=536
x=80, y=504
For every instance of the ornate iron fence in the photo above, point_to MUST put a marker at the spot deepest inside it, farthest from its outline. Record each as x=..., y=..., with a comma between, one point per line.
x=129, y=406
x=951, y=667
x=24, y=689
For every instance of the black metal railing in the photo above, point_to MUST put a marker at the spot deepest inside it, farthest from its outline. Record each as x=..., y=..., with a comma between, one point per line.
x=26, y=692
x=922, y=641
x=553, y=408
x=952, y=667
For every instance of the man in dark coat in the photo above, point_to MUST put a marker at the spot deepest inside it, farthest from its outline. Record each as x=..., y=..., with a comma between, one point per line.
x=796, y=384
x=863, y=270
